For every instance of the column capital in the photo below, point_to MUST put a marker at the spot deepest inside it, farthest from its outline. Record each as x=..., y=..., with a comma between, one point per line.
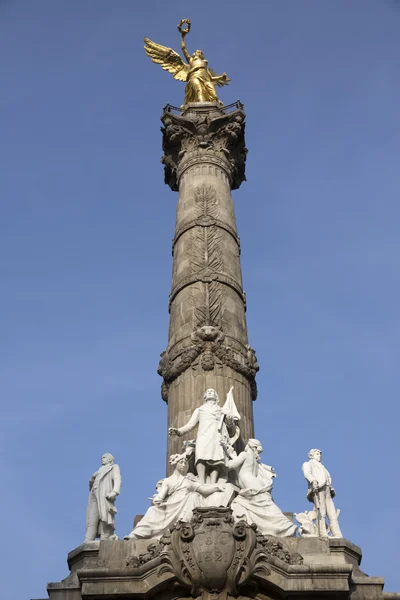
x=204, y=133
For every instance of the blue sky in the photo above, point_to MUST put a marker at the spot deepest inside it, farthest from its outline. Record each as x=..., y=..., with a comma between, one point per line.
x=85, y=240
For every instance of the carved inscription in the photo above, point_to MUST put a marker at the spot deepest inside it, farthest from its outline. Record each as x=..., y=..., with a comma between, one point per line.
x=213, y=546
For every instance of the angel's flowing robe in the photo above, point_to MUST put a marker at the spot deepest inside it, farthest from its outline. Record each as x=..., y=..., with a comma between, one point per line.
x=199, y=87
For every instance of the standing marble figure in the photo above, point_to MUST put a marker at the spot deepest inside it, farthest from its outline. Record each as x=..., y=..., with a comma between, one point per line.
x=321, y=493
x=215, y=428
x=104, y=487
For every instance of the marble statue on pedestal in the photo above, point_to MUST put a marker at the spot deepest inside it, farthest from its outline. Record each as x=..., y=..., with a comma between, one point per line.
x=104, y=487
x=321, y=493
x=175, y=500
x=254, y=502
x=216, y=428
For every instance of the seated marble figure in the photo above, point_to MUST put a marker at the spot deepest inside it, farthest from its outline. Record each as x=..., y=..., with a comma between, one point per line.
x=254, y=502
x=175, y=500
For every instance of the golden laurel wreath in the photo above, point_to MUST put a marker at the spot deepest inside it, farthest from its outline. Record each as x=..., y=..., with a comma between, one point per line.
x=184, y=31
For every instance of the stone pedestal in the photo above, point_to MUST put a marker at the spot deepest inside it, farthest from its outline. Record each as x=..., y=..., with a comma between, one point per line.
x=208, y=346
x=215, y=558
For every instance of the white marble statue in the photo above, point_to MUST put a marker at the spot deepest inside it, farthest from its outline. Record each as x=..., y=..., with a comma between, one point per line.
x=308, y=523
x=104, y=487
x=217, y=426
x=254, y=501
x=174, y=501
x=321, y=493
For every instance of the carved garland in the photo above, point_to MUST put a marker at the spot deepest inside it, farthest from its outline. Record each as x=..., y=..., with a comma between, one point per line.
x=207, y=341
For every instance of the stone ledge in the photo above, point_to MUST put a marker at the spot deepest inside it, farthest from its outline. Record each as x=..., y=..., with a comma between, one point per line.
x=366, y=580
x=82, y=552
x=343, y=545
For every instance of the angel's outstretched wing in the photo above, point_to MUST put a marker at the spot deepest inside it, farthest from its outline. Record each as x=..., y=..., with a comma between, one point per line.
x=167, y=58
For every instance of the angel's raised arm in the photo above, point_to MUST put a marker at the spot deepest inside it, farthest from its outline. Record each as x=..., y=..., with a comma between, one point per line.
x=184, y=31
x=184, y=49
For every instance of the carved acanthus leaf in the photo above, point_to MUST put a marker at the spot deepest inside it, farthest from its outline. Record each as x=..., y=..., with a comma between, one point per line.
x=221, y=138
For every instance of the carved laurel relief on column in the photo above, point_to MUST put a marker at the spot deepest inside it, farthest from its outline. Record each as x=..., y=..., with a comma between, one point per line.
x=206, y=259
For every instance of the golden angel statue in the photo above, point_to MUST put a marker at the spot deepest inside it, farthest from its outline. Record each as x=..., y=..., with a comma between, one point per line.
x=201, y=80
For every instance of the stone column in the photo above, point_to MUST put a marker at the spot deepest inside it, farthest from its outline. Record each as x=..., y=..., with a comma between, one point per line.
x=204, y=158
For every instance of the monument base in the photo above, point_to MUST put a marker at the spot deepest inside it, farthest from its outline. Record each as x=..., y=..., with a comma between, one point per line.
x=216, y=558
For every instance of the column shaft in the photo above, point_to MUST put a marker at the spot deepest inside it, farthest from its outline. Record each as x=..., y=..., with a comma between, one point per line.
x=208, y=343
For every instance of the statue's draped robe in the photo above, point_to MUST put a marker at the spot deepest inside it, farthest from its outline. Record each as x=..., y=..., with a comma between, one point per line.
x=107, y=479
x=212, y=430
x=178, y=505
x=257, y=506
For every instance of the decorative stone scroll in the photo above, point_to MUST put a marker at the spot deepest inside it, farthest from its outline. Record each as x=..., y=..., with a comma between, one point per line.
x=212, y=554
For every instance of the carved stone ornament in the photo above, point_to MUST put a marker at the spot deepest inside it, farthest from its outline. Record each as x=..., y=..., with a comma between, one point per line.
x=217, y=137
x=208, y=343
x=274, y=548
x=213, y=556
x=153, y=551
